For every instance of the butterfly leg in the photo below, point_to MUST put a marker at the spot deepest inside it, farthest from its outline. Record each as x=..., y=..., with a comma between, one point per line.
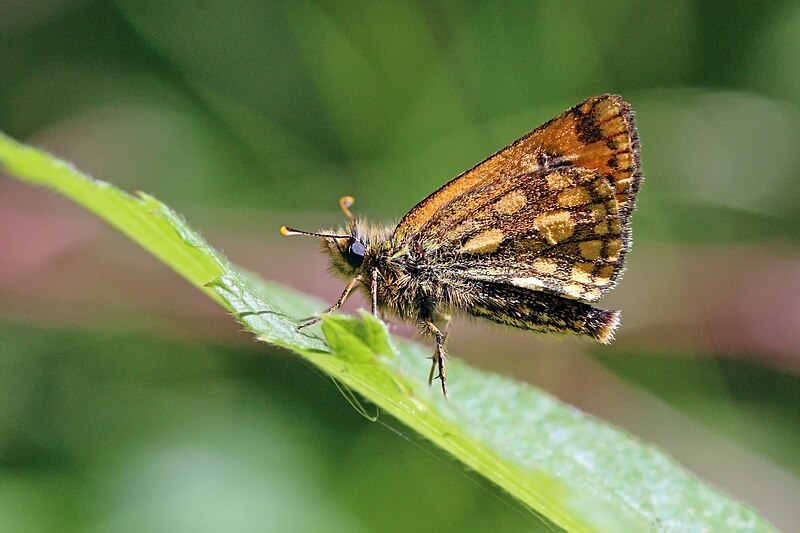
x=343, y=298
x=438, y=357
x=446, y=329
x=374, y=291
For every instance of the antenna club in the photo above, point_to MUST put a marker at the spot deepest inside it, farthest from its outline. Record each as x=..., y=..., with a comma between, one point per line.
x=285, y=231
x=344, y=203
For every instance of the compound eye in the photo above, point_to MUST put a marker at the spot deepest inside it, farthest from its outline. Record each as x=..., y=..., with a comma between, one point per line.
x=355, y=254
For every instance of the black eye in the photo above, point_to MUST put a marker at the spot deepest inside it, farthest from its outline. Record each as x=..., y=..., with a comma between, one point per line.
x=355, y=254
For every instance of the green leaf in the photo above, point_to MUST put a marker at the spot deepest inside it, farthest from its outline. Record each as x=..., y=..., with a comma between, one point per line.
x=581, y=474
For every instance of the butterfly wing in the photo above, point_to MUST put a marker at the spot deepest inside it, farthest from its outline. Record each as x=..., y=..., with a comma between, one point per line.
x=558, y=231
x=549, y=212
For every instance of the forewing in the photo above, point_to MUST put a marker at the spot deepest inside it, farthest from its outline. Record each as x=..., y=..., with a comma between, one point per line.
x=549, y=212
x=598, y=134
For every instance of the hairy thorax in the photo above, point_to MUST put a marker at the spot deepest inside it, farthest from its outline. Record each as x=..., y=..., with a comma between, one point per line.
x=413, y=286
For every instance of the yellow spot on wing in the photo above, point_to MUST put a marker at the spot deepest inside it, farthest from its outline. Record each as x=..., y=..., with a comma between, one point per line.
x=598, y=211
x=614, y=246
x=591, y=249
x=558, y=181
x=582, y=272
x=528, y=283
x=555, y=226
x=591, y=295
x=574, y=290
x=603, y=188
x=604, y=274
x=545, y=265
x=573, y=197
x=624, y=161
x=483, y=243
x=511, y=203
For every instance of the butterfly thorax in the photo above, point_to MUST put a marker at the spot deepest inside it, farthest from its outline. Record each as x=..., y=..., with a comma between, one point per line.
x=408, y=278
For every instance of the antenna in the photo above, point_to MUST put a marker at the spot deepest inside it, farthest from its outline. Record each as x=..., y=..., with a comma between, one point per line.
x=344, y=202
x=288, y=232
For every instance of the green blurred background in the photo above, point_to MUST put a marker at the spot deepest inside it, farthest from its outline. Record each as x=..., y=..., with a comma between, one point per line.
x=130, y=403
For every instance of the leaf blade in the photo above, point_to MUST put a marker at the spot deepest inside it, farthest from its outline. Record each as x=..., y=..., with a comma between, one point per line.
x=581, y=474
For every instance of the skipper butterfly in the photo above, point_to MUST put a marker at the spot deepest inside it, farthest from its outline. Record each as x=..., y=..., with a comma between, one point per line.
x=530, y=237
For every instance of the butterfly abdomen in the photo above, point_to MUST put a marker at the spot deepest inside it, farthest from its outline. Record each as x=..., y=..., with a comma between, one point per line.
x=543, y=311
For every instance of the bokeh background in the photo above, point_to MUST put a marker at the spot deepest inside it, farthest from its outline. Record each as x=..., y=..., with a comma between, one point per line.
x=130, y=403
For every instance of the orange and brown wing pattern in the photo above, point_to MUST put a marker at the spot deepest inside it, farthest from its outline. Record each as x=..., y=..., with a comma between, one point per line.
x=550, y=212
x=598, y=134
x=557, y=231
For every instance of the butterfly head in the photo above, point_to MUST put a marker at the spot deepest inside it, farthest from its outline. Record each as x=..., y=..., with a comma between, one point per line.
x=349, y=248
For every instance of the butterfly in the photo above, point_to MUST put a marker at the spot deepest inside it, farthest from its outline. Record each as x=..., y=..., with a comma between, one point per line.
x=530, y=237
